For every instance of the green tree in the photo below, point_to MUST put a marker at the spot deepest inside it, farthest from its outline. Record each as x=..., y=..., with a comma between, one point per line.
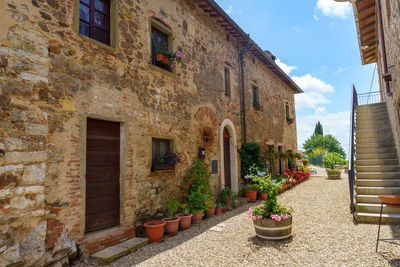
x=318, y=129
x=319, y=141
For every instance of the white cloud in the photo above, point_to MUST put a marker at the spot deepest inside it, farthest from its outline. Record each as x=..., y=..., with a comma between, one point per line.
x=231, y=10
x=286, y=68
x=310, y=83
x=336, y=124
x=331, y=8
x=315, y=17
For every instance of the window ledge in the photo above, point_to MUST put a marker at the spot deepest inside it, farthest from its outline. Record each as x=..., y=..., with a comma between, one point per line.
x=97, y=43
x=165, y=72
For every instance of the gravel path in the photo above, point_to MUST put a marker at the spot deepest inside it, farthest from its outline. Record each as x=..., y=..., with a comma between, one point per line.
x=323, y=235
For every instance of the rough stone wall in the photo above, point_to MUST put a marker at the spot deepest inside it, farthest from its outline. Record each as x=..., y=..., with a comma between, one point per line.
x=52, y=80
x=391, y=22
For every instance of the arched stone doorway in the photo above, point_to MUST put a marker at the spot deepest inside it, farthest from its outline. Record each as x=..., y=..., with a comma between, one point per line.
x=228, y=148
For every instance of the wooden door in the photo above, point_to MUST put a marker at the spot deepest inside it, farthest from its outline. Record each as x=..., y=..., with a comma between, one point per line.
x=102, y=174
x=227, y=159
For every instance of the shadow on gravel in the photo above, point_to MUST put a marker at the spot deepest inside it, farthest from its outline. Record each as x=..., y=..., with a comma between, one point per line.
x=389, y=258
x=257, y=243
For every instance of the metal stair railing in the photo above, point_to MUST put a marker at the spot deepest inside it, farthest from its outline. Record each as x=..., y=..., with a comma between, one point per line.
x=354, y=103
x=369, y=98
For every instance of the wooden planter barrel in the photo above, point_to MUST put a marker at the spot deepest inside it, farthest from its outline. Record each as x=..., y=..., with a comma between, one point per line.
x=267, y=228
x=333, y=176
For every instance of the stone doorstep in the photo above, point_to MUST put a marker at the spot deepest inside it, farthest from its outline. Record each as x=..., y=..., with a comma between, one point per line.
x=115, y=252
x=103, y=239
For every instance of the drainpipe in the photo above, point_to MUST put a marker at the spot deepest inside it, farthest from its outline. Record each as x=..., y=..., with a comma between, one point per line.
x=386, y=75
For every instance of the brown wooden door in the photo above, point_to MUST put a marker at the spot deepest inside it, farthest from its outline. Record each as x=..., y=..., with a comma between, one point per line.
x=227, y=159
x=102, y=174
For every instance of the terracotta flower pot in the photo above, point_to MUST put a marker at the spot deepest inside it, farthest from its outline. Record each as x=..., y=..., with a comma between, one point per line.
x=162, y=58
x=185, y=221
x=172, y=225
x=155, y=230
x=197, y=217
x=263, y=196
x=224, y=209
x=218, y=211
x=211, y=212
x=251, y=195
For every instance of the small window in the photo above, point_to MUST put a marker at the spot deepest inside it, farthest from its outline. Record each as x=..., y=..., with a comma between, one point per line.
x=207, y=138
x=160, y=148
x=228, y=38
x=287, y=111
x=227, y=77
x=94, y=20
x=160, y=41
x=255, y=97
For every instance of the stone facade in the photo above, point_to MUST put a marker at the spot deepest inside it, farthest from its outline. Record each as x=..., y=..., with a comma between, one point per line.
x=52, y=79
x=391, y=25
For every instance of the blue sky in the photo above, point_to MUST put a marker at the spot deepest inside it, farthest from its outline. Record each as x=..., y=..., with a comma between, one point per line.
x=316, y=44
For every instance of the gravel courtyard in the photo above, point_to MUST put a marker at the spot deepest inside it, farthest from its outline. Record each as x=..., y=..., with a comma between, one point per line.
x=323, y=235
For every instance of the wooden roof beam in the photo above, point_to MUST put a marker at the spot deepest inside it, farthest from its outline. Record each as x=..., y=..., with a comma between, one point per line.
x=367, y=8
x=367, y=17
x=367, y=25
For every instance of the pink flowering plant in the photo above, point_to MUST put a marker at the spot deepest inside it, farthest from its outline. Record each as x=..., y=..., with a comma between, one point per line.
x=269, y=208
x=174, y=57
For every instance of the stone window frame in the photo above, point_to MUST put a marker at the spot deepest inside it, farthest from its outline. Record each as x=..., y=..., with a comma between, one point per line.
x=228, y=68
x=255, y=86
x=163, y=27
x=114, y=10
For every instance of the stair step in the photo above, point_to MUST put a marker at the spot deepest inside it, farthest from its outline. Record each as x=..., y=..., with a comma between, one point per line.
x=380, y=104
x=375, y=144
x=378, y=168
x=378, y=175
x=367, y=198
x=370, y=150
x=117, y=251
x=365, y=116
x=373, y=130
x=376, y=208
x=375, y=135
x=377, y=190
x=372, y=162
x=366, y=217
x=366, y=140
x=377, y=156
x=378, y=182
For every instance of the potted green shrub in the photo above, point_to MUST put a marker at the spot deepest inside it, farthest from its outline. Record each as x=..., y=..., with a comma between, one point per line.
x=219, y=209
x=227, y=198
x=333, y=173
x=185, y=217
x=271, y=220
x=197, y=204
x=210, y=206
x=331, y=170
x=250, y=191
x=169, y=58
x=172, y=222
x=346, y=168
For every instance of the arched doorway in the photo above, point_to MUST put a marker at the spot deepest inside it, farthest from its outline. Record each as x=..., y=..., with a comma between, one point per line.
x=228, y=156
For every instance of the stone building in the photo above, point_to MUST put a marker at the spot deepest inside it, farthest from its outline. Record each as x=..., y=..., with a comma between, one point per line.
x=378, y=29
x=86, y=112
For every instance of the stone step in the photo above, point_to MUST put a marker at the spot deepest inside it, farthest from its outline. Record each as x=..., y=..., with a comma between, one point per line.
x=117, y=251
x=365, y=217
x=365, y=116
x=367, y=198
x=375, y=135
x=378, y=168
x=375, y=208
x=377, y=156
x=375, y=144
x=373, y=129
x=378, y=182
x=370, y=150
x=380, y=104
x=378, y=175
x=366, y=140
x=371, y=162
x=366, y=122
x=377, y=190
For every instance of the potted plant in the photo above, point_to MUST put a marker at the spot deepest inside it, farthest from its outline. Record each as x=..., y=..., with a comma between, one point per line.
x=219, y=209
x=271, y=220
x=172, y=222
x=257, y=106
x=227, y=198
x=250, y=191
x=169, y=58
x=155, y=230
x=333, y=173
x=210, y=206
x=289, y=120
x=166, y=163
x=346, y=168
x=197, y=204
x=185, y=217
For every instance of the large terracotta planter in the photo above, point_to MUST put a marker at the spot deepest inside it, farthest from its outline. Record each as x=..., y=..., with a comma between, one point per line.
x=185, y=221
x=197, y=217
x=162, y=58
x=218, y=211
x=172, y=225
x=267, y=228
x=251, y=195
x=210, y=212
x=263, y=196
x=155, y=230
